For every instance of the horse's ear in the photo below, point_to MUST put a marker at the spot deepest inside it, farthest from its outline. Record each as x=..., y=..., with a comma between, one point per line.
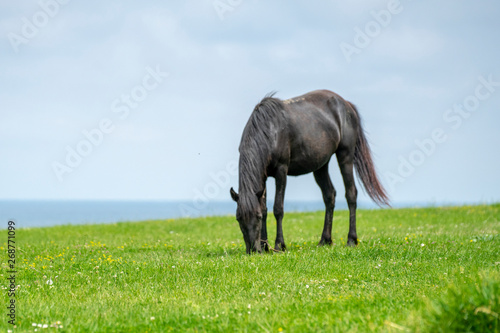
x=234, y=195
x=260, y=194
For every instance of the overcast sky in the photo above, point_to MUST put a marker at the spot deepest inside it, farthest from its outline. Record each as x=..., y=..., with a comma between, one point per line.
x=148, y=100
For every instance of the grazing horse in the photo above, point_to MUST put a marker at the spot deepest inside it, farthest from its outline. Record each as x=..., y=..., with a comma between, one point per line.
x=295, y=137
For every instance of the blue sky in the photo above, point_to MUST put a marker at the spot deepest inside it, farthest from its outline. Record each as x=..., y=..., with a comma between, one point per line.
x=153, y=96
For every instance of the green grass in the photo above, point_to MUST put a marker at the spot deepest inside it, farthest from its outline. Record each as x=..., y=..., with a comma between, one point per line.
x=412, y=271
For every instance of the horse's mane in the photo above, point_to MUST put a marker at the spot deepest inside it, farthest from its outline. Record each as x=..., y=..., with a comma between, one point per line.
x=256, y=143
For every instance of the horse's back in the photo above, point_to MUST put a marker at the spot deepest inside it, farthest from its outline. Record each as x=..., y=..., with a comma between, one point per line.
x=315, y=123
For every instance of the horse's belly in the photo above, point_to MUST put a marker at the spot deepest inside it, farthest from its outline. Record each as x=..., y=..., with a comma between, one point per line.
x=308, y=154
x=313, y=137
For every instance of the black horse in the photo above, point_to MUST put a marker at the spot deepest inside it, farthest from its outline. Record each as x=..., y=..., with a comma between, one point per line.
x=294, y=137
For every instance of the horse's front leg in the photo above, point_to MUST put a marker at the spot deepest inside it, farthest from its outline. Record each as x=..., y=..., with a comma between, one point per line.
x=278, y=207
x=264, y=244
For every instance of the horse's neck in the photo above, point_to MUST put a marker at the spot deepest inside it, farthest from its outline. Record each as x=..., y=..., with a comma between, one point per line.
x=252, y=171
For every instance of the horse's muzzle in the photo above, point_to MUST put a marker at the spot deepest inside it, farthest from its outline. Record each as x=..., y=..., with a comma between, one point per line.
x=254, y=246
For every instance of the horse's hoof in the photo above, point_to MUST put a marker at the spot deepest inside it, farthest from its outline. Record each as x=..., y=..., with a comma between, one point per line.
x=352, y=242
x=324, y=242
x=265, y=246
x=280, y=248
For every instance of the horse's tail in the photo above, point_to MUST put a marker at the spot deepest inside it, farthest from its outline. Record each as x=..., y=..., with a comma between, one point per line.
x=365, y=168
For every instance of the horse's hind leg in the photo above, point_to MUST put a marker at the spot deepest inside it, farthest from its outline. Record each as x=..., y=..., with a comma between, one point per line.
x=322, y=178
x=278, y=207
x=345, y=158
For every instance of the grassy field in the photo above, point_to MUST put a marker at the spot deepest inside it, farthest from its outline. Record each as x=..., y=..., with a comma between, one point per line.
x=414, y=270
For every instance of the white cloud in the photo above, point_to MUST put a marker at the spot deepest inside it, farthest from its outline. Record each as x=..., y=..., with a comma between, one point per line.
x=408, y=44
x=64, y=81
x=128, y=133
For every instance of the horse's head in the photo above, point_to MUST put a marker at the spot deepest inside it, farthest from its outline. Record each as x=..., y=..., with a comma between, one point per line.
x=249, y=216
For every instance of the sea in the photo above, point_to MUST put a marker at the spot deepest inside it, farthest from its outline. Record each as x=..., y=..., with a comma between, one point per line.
x=46, y=213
